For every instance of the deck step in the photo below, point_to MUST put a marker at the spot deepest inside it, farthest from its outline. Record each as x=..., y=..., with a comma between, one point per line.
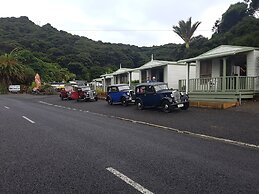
x=213, y=104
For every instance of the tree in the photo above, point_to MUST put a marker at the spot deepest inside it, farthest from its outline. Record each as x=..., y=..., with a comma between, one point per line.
x=253, y=6
x=11, y=70
x=231, y=17
x=186, y=30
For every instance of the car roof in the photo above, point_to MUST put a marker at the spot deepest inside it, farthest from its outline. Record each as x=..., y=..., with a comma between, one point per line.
x=151, y=84
x=118, y=85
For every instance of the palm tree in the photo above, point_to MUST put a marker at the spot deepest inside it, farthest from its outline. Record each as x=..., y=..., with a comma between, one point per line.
x=10, y=70
x=186, y=30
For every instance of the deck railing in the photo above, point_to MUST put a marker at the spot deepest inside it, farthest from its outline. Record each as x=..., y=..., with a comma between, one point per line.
x=219, y=84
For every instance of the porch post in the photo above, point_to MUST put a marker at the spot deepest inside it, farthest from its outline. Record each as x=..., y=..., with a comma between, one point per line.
x=224, y=85
x=187, y=77
x=104, y=84
x=129, y=75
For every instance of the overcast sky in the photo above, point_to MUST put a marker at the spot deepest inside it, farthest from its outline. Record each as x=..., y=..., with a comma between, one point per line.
x=135, y=22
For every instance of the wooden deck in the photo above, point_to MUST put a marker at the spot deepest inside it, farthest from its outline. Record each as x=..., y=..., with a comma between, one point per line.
x=214, y=104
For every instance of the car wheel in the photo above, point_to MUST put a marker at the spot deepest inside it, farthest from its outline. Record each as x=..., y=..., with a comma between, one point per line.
x=140, y=105
x=166, y=106
x=96, y=98
x=124, y=102
x=109, y=100
x=186, y=106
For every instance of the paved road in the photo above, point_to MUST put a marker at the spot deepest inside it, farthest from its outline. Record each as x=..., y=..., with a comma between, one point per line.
x=49, y=148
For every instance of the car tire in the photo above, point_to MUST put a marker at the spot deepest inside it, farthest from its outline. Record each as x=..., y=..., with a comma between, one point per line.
x=124, y=102
x=109, y=100
x=96, y=98
x=186, y=106
x=140, y=105
x=166, y=106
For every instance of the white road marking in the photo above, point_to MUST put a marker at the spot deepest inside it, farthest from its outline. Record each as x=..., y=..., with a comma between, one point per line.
x=129, y=181
x=7, y=107
x=229, y=141
x=42, y=102
x=31, y=121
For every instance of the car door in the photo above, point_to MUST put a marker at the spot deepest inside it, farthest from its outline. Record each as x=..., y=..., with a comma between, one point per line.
x=115, y=94
x=151, y=97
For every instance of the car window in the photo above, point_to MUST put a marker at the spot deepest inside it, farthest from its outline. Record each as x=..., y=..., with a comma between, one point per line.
x=150, y=89
x=123, y=88
x=141, y=89
x=161, y=87
x=114, y=89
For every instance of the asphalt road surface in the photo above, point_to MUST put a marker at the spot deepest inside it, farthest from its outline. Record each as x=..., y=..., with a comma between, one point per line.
x=53, y=146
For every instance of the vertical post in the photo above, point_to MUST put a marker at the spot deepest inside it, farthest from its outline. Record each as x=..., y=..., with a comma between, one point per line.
x=224, y=85
x=104, y=84
x=129, y=78
x=187, y=77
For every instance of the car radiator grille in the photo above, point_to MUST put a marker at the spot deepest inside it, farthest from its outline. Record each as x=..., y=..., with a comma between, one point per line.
x=177, y=96
x=91, y=95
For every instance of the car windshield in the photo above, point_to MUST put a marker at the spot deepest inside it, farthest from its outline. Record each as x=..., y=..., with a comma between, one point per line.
x=161, y=87
x=123, y=88
x=85, y=88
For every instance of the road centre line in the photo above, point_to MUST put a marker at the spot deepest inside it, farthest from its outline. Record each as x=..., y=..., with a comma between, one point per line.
x=7, y=107
x=31, y=121
x=233, y=142
x=129, y=181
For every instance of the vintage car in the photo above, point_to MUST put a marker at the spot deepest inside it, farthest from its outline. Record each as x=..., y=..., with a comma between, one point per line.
x=119, y=93
x=66, y=92
x=84, y=93
x=157, y=94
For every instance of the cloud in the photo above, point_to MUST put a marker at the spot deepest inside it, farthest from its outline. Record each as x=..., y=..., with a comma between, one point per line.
x=142, y=23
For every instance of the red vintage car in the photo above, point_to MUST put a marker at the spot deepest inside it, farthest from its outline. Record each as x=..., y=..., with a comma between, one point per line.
x=67, y=93
x=79, y=93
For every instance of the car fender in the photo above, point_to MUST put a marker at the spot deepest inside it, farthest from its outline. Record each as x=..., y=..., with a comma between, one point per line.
x=166, y=98
x=137, y=98
x=108, y=97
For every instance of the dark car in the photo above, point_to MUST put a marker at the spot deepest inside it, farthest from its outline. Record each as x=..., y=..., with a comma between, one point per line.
x=119, y=93
x=157, y=94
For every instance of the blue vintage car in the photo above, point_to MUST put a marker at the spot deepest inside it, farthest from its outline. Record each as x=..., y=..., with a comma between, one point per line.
x=119, y=93
x=157, y=94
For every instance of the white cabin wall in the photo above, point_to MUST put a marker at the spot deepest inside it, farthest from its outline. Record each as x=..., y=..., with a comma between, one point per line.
x=253, y=66
x=174, y=74
x=192, y=73
x=215, y=68
x=135, y=75
x=166, y=74
x=197, y=69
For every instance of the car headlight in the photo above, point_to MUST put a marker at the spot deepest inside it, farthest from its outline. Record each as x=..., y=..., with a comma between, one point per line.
x=172, y=95
x=128, y=93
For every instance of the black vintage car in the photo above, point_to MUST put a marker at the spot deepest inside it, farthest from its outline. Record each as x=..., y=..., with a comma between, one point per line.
x=119, y=93
x=157, y=94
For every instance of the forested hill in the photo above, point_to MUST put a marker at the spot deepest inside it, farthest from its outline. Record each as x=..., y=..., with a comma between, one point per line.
x=88, y=59
x=82, y=56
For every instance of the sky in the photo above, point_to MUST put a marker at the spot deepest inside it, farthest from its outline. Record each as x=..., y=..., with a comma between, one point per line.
x=134, y=22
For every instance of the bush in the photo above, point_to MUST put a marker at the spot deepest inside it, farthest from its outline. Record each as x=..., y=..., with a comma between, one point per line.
x=3, y=89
